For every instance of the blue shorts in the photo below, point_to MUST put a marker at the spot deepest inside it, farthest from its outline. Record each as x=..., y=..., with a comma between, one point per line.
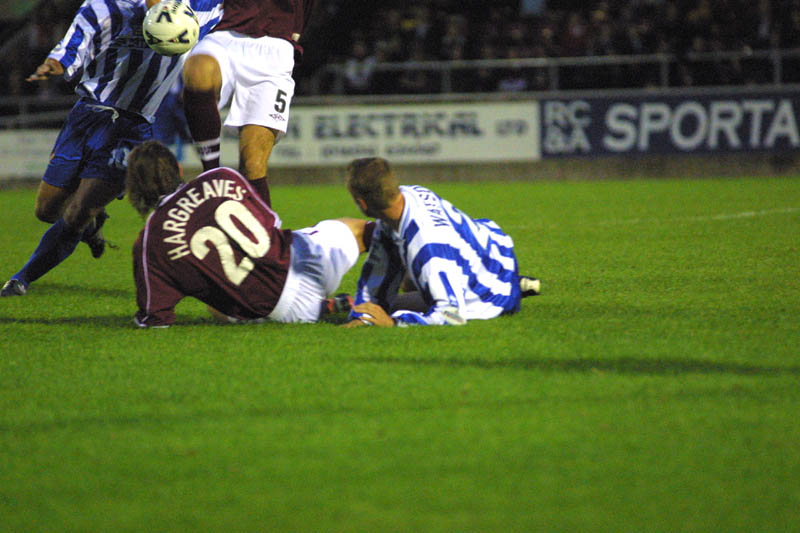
x=94, y=144
x=170, y=125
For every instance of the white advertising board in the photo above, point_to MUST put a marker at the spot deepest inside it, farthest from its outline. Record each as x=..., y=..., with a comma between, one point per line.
x=423, y=133
x=321, y=136
x=25, y=153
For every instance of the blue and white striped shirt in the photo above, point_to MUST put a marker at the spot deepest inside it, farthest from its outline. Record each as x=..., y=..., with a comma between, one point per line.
x=105, y=52
x=465, y=269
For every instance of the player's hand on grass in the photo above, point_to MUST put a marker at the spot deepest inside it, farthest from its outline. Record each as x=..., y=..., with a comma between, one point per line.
x=374, y=314
x=50, y=67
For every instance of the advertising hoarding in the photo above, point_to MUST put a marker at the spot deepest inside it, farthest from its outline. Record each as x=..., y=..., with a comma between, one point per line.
x=653, y=124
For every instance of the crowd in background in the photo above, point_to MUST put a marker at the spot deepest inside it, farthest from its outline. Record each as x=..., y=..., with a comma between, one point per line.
x=26, y=43
x=362, y=33
x=416, y=30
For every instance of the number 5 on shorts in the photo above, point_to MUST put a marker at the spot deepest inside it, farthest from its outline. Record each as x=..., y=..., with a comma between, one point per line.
x=280, y=102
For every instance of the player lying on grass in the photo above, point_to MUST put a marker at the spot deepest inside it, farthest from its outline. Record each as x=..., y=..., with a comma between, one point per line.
x=121, y=83
x=215, y=239
x=459, y=268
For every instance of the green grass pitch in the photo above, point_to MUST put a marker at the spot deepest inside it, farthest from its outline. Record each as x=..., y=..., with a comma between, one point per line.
x=654, y=386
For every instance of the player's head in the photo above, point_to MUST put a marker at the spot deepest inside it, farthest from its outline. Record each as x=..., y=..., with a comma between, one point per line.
x=372, y=184
x=152, y=172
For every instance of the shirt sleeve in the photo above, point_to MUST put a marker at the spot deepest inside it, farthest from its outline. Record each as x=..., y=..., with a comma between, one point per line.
x=209, y=13
x=156, y=297
x=381, y=274
x=440, y=278
x=87, y=33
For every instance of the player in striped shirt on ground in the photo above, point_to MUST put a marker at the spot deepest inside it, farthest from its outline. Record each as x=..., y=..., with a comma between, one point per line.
x=121, y=83
x=456, y=268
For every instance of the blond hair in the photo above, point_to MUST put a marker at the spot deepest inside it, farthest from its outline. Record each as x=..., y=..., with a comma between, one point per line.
x=374, y=181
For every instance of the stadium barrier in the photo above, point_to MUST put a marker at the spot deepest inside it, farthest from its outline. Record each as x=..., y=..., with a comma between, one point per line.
x=547, y=135
x=773, y=66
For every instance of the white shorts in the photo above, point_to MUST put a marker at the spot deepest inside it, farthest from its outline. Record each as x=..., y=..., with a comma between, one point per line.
x=321, y=256
x=257, y=73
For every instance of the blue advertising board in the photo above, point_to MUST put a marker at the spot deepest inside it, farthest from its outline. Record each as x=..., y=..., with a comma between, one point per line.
x=660, y=124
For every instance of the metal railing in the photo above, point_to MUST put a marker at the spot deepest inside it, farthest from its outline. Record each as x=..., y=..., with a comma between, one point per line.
x=553, y=67
x=770, y=66
x=37, y=110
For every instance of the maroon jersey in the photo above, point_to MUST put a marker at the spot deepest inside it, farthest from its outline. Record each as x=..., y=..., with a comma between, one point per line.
x=216, y=240
x=284, y=19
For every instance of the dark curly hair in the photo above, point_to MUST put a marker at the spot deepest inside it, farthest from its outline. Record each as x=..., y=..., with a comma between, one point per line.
x=152, y=172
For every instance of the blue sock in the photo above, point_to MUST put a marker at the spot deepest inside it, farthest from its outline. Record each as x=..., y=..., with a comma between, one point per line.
x=57, y=244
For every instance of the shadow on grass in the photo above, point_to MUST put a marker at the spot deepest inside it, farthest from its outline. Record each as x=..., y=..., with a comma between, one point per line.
x=621, y=366
x=625, y=365
x=115, y=321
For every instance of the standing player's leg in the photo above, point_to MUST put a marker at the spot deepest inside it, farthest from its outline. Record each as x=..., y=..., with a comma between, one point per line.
x=60, y=240
x=261, y=74
x=203, y=82
x=50, y=201
x=89, y=166
x=255, y=147
x=58, y=184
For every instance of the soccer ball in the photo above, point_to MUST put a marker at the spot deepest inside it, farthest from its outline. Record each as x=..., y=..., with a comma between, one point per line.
x=170, y=28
